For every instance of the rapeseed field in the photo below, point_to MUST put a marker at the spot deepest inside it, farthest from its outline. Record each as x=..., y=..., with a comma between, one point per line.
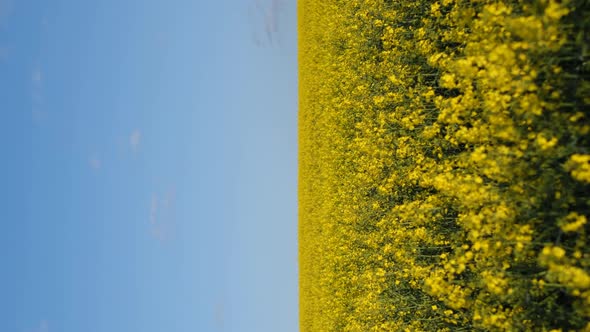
x=444, y=165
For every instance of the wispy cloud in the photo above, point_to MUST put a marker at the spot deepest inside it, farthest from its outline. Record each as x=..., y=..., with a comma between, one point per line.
x=162, y=39
x=37, y=80
x=264, y=16
x=219, y=315
x=154, y=210
x=95, y=162
x=161, y=216
x=37, y=84
x=36, y=76
x=135, y=139
x=5, y=11
x=4, y=52
x=42, y=326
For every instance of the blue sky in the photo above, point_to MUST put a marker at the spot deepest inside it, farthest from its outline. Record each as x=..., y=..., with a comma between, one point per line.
x=149, y=165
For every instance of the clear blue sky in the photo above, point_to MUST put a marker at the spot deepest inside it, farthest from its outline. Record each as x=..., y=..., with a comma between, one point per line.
x=149, y=166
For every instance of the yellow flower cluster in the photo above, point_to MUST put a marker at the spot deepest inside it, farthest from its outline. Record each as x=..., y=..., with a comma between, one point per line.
x=444, y=165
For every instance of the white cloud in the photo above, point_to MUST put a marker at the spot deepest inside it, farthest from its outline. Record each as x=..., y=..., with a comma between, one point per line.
x=135, y=139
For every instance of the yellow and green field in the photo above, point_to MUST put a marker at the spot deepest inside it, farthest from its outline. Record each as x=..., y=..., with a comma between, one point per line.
x=444, y=165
